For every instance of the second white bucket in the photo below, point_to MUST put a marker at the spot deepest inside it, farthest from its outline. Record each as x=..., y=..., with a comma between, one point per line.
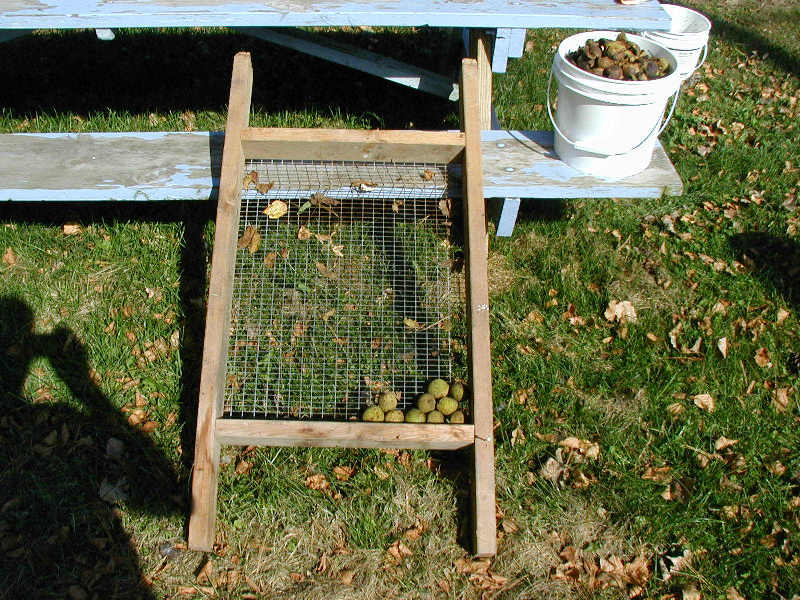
x=687, y=38
x=608, y=127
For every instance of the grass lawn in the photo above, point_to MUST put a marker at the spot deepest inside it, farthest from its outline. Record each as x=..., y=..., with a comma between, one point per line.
x=653, y=456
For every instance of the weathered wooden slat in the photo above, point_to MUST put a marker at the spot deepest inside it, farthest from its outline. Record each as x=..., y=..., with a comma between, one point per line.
x=352, y=145
x=218, y=314
x=185, y=166
x=359, y=59
x=480, y=361
x=343, y=435
x=68, y=14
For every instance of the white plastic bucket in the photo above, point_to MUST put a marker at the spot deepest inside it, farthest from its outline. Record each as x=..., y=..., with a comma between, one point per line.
x=687, y=38
x=608, y=127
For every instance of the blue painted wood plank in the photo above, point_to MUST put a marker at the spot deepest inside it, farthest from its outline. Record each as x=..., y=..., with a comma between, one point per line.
x=508, y=217
x=108, y=14
x=516, y=45
x=500, y=49
x=185, y=166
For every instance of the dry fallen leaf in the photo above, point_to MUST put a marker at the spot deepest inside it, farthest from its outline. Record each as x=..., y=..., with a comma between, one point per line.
x=762, y=358
x=263, y=188
x=398, y=551
x=704, y=402
x=622, y=312
x=250, y=179
x=733, y=594
x=269, y=259
x=71, y=228
x=9, y=258
x=343, y=472
x=318, y=482
x=659, y=474
x=427, y=174
x=363, y=185
x=722, y=346
x=723, y=442
x=204, y=572
x=517, y=436
x=276, y=209
x=250, y=239
x=411, y=324
x=581, y=448
x=780, y=399
x=304, y=233
x=691, y=593
x=323, y=269
x=783, y=314
x=346, y=577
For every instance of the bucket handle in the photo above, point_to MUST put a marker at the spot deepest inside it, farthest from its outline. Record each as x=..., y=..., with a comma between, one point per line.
x=705, y=55
x=588, y=148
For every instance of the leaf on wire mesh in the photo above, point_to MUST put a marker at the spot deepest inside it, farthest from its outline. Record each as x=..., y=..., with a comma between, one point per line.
x=276, y=209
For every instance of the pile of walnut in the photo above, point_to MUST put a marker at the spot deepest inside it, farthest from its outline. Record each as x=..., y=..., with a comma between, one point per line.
x=439, y=403
x=618, y=59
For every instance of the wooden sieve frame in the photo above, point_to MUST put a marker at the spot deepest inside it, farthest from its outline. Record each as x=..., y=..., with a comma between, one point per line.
x=242, y=143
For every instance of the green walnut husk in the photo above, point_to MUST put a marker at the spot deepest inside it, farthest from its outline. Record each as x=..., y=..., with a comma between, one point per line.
x=438, y=388
x=415, y=416
x=456, y=418
x=447, y=405
x=394, y=416
x=387, y=401
x=435, y=417
x=456, y=391
x=619, y=59
x=373, y=414
x=426, y=402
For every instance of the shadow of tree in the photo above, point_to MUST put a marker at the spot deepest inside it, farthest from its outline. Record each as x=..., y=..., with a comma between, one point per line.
x=775, y=261
x=144, y=71
x=64, y=468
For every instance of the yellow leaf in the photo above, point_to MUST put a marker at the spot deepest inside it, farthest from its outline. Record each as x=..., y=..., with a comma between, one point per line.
x=276, y=209
x=704, y=402
x=411, y=323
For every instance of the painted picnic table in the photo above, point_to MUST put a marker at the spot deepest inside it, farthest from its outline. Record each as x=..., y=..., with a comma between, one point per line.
x=494, y=32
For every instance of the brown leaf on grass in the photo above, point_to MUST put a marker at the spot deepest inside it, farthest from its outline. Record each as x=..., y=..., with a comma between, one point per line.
x=675, y=409
x=780, y=399
x=691, y=593
x=304, y=233
x=580, y=449
x=71, y=228
x=762, y=358
x=411, y=324
x=398, y=551
x=299, y=329
x=659, y=474
x=346, y=577
x=553, y=470
x=550, y=438
x=621, y=312
x=324, y=271
x=246, y=241
x=276, y=209
x=783, y=314
x=517, y=436
x=704, y=402
x=318, y=482
x=343, y=472
x=9, y=258
x=150, y=426
x=733, y=594
x=722, y=346
x=263, y=188
x=243, y=467
x=323, y=563
x=723, y=442
x=297, y=577
x=203, y=574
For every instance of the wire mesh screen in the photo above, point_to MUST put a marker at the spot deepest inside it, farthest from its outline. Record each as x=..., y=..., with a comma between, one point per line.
x=342, y=288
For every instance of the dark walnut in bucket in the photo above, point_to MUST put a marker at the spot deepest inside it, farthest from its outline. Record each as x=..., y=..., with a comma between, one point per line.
x=618, y=59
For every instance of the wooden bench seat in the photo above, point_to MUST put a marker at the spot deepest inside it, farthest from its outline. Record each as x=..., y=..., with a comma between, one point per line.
x=159, y=166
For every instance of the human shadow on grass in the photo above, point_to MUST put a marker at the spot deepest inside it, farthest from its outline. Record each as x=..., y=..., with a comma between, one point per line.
x=149, y=71
x=774, y=260
x=64, y=467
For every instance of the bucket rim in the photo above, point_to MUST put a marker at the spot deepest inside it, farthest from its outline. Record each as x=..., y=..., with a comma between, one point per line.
x=674, y=9
x=570, y=70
